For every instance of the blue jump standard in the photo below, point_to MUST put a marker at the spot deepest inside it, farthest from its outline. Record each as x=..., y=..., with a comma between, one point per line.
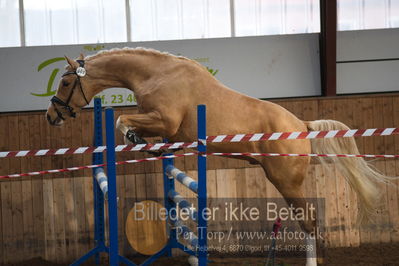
x=105, y=185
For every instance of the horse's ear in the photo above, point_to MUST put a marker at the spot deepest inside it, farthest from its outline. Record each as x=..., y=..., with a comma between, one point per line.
x=71, y=62
x=81, y=57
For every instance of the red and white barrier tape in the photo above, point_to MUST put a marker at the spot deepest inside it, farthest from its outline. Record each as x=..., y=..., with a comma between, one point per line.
x=195, y=153
x=305, y=135
x=211, y=139
x=70, y=169
x=302, y=155
x=87, y=150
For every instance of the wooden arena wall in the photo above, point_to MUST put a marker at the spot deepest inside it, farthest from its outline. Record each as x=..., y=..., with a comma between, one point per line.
x=51, y=216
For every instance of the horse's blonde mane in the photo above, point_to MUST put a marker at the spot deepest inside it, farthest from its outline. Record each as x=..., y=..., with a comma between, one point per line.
x=142, y=51
x=133, y=51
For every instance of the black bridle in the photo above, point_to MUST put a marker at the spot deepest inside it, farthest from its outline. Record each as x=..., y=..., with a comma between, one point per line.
x=79, y=72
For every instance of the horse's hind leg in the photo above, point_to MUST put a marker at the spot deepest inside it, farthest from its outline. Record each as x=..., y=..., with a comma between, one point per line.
x=287, y=174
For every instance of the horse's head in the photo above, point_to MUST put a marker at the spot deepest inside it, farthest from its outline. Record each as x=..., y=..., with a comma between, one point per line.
x=72, y=93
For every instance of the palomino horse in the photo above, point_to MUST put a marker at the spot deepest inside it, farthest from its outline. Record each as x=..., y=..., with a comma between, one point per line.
x=168, y=88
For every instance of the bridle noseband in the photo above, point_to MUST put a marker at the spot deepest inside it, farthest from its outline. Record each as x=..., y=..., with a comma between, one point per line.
x=79, y=72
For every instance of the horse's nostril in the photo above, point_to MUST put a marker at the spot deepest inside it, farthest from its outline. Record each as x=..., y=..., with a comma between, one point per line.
x=49, y=119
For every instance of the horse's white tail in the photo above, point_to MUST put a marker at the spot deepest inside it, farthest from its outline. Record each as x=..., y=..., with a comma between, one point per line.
x=362, y=177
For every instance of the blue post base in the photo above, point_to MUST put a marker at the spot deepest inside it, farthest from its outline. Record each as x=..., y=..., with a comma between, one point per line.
x=96, y=253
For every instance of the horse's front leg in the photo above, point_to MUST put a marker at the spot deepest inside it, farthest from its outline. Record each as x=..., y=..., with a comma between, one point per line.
x=135, y=127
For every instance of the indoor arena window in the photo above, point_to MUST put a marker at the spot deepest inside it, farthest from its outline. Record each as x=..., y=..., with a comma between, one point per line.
x=49, y=22
x=177, y=19
x=10, y=34
x=367, y=14
x=52, y=22
x=261, y=17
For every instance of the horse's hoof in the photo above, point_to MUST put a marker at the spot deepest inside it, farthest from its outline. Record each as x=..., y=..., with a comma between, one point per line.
x=134, y=138
x=193, y=261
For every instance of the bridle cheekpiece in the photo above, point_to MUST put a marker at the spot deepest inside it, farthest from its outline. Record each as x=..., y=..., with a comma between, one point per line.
x=79, y=72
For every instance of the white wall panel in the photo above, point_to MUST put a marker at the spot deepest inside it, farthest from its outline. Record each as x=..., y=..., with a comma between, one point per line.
x=262, y=67
x=368, y=61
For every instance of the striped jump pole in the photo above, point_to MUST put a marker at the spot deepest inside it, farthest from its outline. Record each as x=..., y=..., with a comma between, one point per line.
x=173, y=199
x=180, y=176
x=102, y=181
x=183, y=231
x=183, y=204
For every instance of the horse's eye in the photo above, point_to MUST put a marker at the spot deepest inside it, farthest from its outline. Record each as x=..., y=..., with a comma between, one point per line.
x=65, y=83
